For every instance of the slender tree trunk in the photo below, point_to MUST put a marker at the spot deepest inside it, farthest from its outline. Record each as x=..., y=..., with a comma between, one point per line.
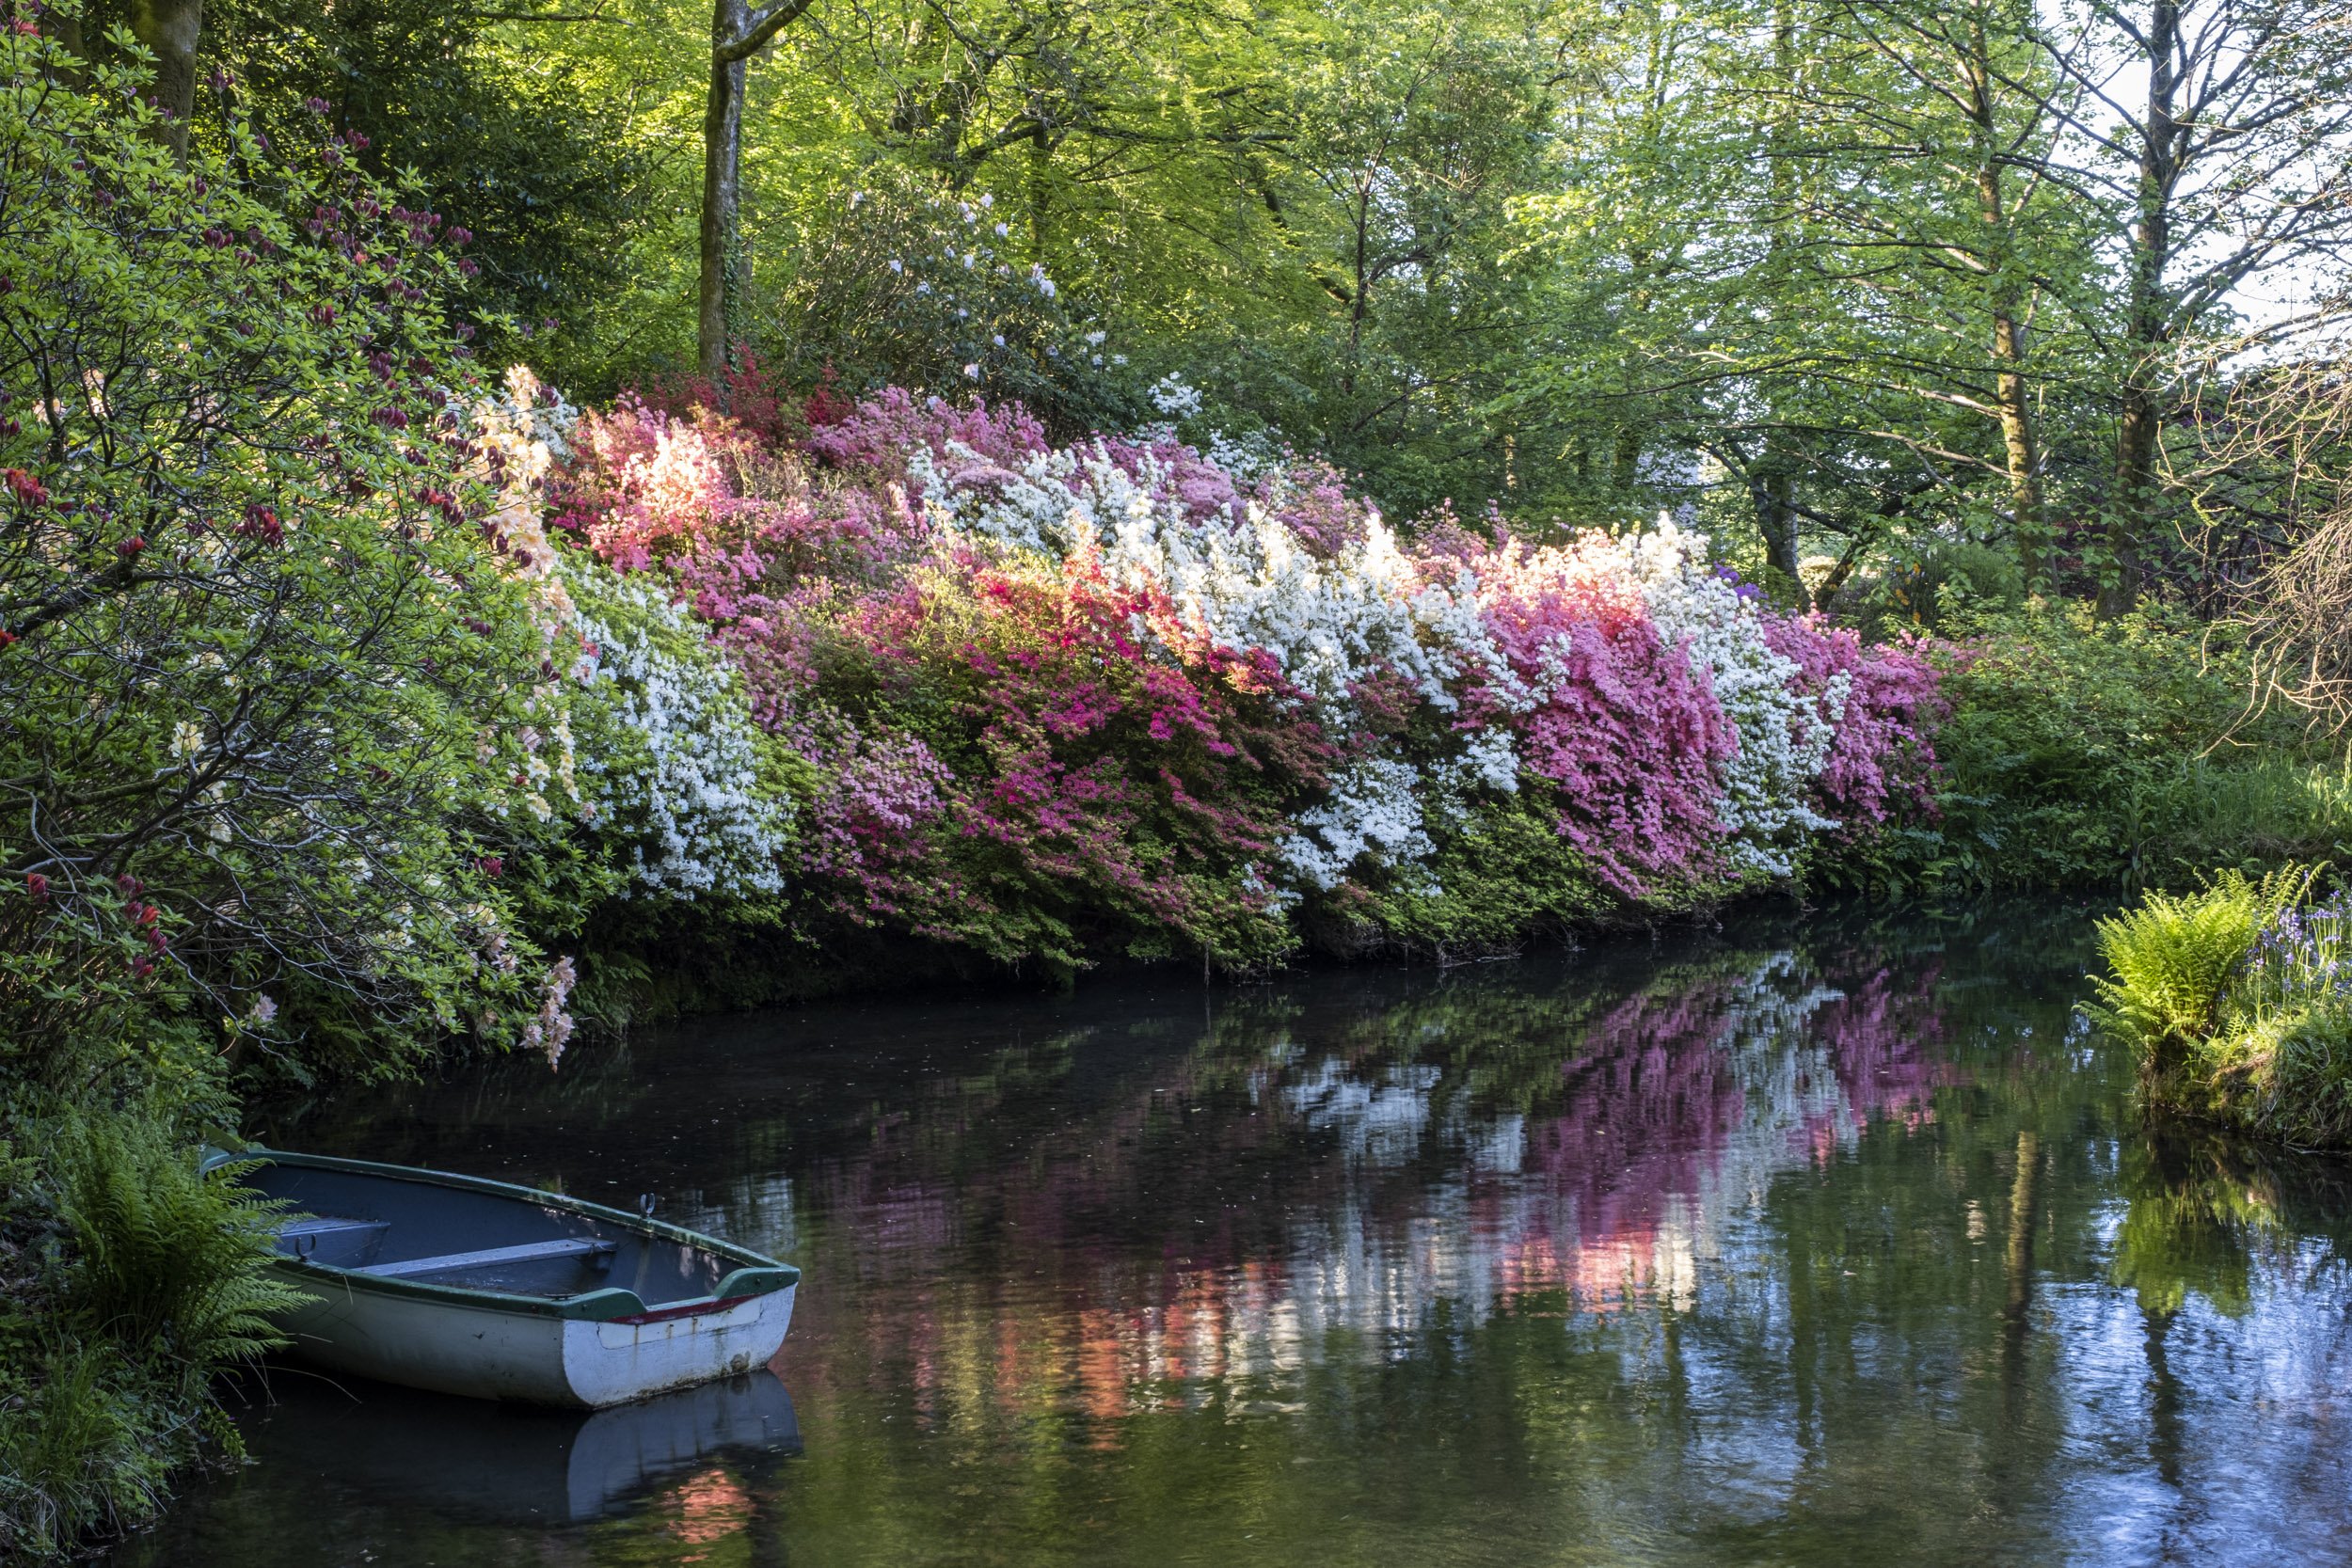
x=2028, y=513
x=170, y=28
x=1625, y=458
x=736, y=33
x=2021, y=450
x=2140, y=417
x=1772, y=485
x=720, y=298
x=1775, y=493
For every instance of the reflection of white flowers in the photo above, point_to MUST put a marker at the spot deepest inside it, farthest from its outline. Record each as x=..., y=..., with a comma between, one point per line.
x=673, y=764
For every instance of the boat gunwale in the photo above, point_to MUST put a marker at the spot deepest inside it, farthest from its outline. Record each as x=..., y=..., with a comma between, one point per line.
x=755, y=1275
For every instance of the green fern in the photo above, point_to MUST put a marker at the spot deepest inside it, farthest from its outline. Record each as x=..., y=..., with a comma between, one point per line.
x=165, y=1262
x=2174, y=958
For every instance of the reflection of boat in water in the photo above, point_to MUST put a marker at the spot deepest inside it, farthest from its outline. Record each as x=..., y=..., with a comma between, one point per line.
x=476, y=1286
x=509, y=1463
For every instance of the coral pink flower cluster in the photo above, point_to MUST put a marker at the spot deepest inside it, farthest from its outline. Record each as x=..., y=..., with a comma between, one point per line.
x=1123, y=695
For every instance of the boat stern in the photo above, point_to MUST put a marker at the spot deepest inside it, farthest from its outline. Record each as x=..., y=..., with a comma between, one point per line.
x=613, y=1360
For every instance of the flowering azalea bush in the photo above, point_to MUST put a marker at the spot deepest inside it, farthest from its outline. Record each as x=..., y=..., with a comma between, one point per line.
x=1051, y=702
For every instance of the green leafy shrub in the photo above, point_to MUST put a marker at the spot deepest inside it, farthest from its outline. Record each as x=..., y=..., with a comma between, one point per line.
x=269, y=672
x=2121, y=752
x=166, y=1263
x=2238, y=999
x=2172, y=961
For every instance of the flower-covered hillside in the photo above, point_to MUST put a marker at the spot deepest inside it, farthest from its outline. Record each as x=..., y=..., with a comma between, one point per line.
x=1129, y=697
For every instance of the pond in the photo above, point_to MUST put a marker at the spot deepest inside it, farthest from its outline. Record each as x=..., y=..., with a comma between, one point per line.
x=1824, y=1237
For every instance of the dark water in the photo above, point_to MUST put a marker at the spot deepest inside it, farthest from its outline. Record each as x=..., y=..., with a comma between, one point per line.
x=1819, y=1239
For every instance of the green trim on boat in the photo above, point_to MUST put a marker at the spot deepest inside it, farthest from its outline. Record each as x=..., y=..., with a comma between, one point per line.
x=753, y=1275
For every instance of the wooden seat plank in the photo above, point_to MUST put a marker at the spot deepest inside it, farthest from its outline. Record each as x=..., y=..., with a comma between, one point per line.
x=569, y=1246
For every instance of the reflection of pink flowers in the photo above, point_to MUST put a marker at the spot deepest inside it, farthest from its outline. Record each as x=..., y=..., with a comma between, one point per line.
x=1660, y=1116
x=1883, y=1035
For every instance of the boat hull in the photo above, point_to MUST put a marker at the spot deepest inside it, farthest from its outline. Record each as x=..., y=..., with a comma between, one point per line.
x=487, y=1350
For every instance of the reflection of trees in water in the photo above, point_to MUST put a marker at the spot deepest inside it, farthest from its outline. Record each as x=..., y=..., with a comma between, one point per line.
x=1326, y=1175
x=1826, y=1249
x=2211, y=1217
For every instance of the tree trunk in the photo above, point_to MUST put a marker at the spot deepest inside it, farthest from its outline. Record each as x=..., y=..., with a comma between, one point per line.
x=721, y=302
x=2021, y=450
x=2140, y=419
x=2028, y=516
x=169, y=27
x=1772, y=487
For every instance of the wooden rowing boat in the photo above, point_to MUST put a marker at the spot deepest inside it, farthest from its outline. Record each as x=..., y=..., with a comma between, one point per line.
x=467, y=1286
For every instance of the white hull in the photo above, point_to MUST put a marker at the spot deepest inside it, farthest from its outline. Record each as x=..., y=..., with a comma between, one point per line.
x=485, y=1351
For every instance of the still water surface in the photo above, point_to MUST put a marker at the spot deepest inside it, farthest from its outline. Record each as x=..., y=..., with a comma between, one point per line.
x=1823, y=1238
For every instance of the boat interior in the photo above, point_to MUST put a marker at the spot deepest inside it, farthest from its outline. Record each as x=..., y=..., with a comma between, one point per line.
x=392, y=1228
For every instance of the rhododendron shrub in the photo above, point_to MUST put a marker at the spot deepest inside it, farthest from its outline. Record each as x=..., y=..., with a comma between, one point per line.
x=1072, y=793
x=275, y=692
x=1121, y=696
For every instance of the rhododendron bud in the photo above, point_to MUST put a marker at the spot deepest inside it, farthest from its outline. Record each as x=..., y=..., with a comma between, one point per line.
x=491, y=865
x=37, y=886
x=130, y=548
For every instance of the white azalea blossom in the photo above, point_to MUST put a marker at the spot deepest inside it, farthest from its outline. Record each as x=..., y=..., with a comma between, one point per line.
x=674, y=769
x=1373, y=814
x=1175, y=397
